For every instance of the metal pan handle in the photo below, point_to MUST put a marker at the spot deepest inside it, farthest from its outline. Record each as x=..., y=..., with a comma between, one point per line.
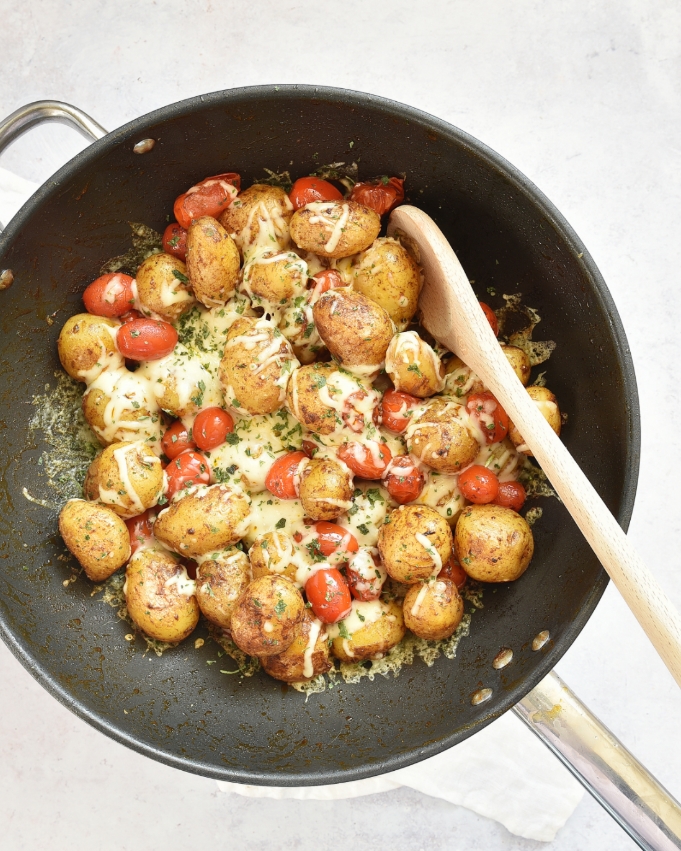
x=41, y=111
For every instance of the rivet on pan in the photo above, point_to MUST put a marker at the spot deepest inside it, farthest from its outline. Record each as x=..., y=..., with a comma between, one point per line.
x=6, y=279
x=502, y=658
x=540, y=639
x=144, y=146
x=481, y=695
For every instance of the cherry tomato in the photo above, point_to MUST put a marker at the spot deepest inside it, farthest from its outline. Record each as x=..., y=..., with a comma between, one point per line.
x=365, y=577
x=211, y=427
x=404, y=481
x=491, y=317
x=146, y=339
x=380, y=195
x=176, y=440
x=141, y=529
x=511, y=495
x=478, y=484
x=492, y=418
x=453, y=571
x=328, y=594
x=109, y=295
x=187, y=469
x=308, y=189
x=130, y=315
x=282, y=479
x=327, y=279
x=208, y=198
x=334, y=539
x=352, y=417
x=310, y=448
x=396, y=409
x=362, y=461
x=175, y=241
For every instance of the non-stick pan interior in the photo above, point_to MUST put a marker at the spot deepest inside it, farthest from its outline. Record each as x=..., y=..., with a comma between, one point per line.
x=177, y=708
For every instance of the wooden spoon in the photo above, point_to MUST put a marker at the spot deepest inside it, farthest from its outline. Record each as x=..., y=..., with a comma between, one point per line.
x=450, y=311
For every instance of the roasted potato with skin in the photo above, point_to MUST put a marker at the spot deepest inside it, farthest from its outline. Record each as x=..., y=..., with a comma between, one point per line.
x=304, y=401
x=335, y=228
x=221, y=578
x=388, y=274
x=185, y=381
x=292, y=666
x=442, y=437
x=271, y=553
x=212, y=262
x=266, y=616
x=274, y=278
x=355, y=329
x=87, y=346
x=163, y=287
x=259, y=218
x=127, y=477
x=96, y=536
x=406, y=557
x=119, y=406
x=160, y=597
x=256, y=366
x=413, y=366
x=493, y=544
x=548, y=406
x=371, y=638
x=435, y=613
x=206, y=518
x=460, y=380
x=519, y=361
x=325, y=488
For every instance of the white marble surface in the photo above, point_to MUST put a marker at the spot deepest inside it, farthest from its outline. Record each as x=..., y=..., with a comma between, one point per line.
x=582, y=97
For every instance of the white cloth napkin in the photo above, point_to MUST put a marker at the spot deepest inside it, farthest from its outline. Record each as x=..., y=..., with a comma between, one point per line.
x=503, y=772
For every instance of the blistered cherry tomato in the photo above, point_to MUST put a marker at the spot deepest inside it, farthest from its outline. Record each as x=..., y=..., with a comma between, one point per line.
x=146, y=339
x=187, y=469
x=327, y=279
x=452, y=570
x=491, y=317
x=365, y=577
x=328, y=594
x=380, y=195
x=109, y=295
x=208, y=198
x=310, y=448
x=396, y=409
x=282, y=479
x=130, y=315
x=308, y=189
x=511, y=495
x=363, y=461
x=404, y=481
x=334, y=539
x=176, y=440
x=211, y=427
x=478, y=484
x=492, y=418
x=141, y=529
x=175, y=241
x=352, y=416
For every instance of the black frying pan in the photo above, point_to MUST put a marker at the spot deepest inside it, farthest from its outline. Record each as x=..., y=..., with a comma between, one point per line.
x=176, y=708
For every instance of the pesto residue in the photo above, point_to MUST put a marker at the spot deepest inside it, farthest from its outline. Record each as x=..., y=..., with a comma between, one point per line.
x=145, y=242
x=538, y=351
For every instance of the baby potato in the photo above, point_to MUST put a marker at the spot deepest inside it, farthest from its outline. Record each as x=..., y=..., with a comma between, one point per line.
x=380, y=628
x=548, y=406
x=221, y=578
x=212, y=262
x=297, y=325
x=325, y=488
x=460, y=380
x=304, y=401
x=207, y=518
x=273, y=278
x=388, y=274
x=185, y=381
x=519, y=361
x=96, y=536
x=442, y=437
x=335, y=228
x=433, y=610
x=87, y=346
x=126, y=477
x=414, y=542
x=306, y=657
x=120, y=406
x=266, y=616
x=273, y=553
x=355, y=329
x=163, y=287
x=160, y=597
x=256, y=366
x=492, y=543
x=258, y=218
x=413, y=365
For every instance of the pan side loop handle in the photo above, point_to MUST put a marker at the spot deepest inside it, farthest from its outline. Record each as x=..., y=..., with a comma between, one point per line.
x=601, y=763
x=41, y=111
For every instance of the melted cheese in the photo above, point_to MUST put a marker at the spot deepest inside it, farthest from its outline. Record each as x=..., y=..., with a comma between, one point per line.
x=362, y=614
x=127, y=392
x=315, y=629
x=182, y=584
x=326, y=215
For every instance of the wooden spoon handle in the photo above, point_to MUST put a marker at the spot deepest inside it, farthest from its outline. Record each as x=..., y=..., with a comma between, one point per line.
x=451, y=313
